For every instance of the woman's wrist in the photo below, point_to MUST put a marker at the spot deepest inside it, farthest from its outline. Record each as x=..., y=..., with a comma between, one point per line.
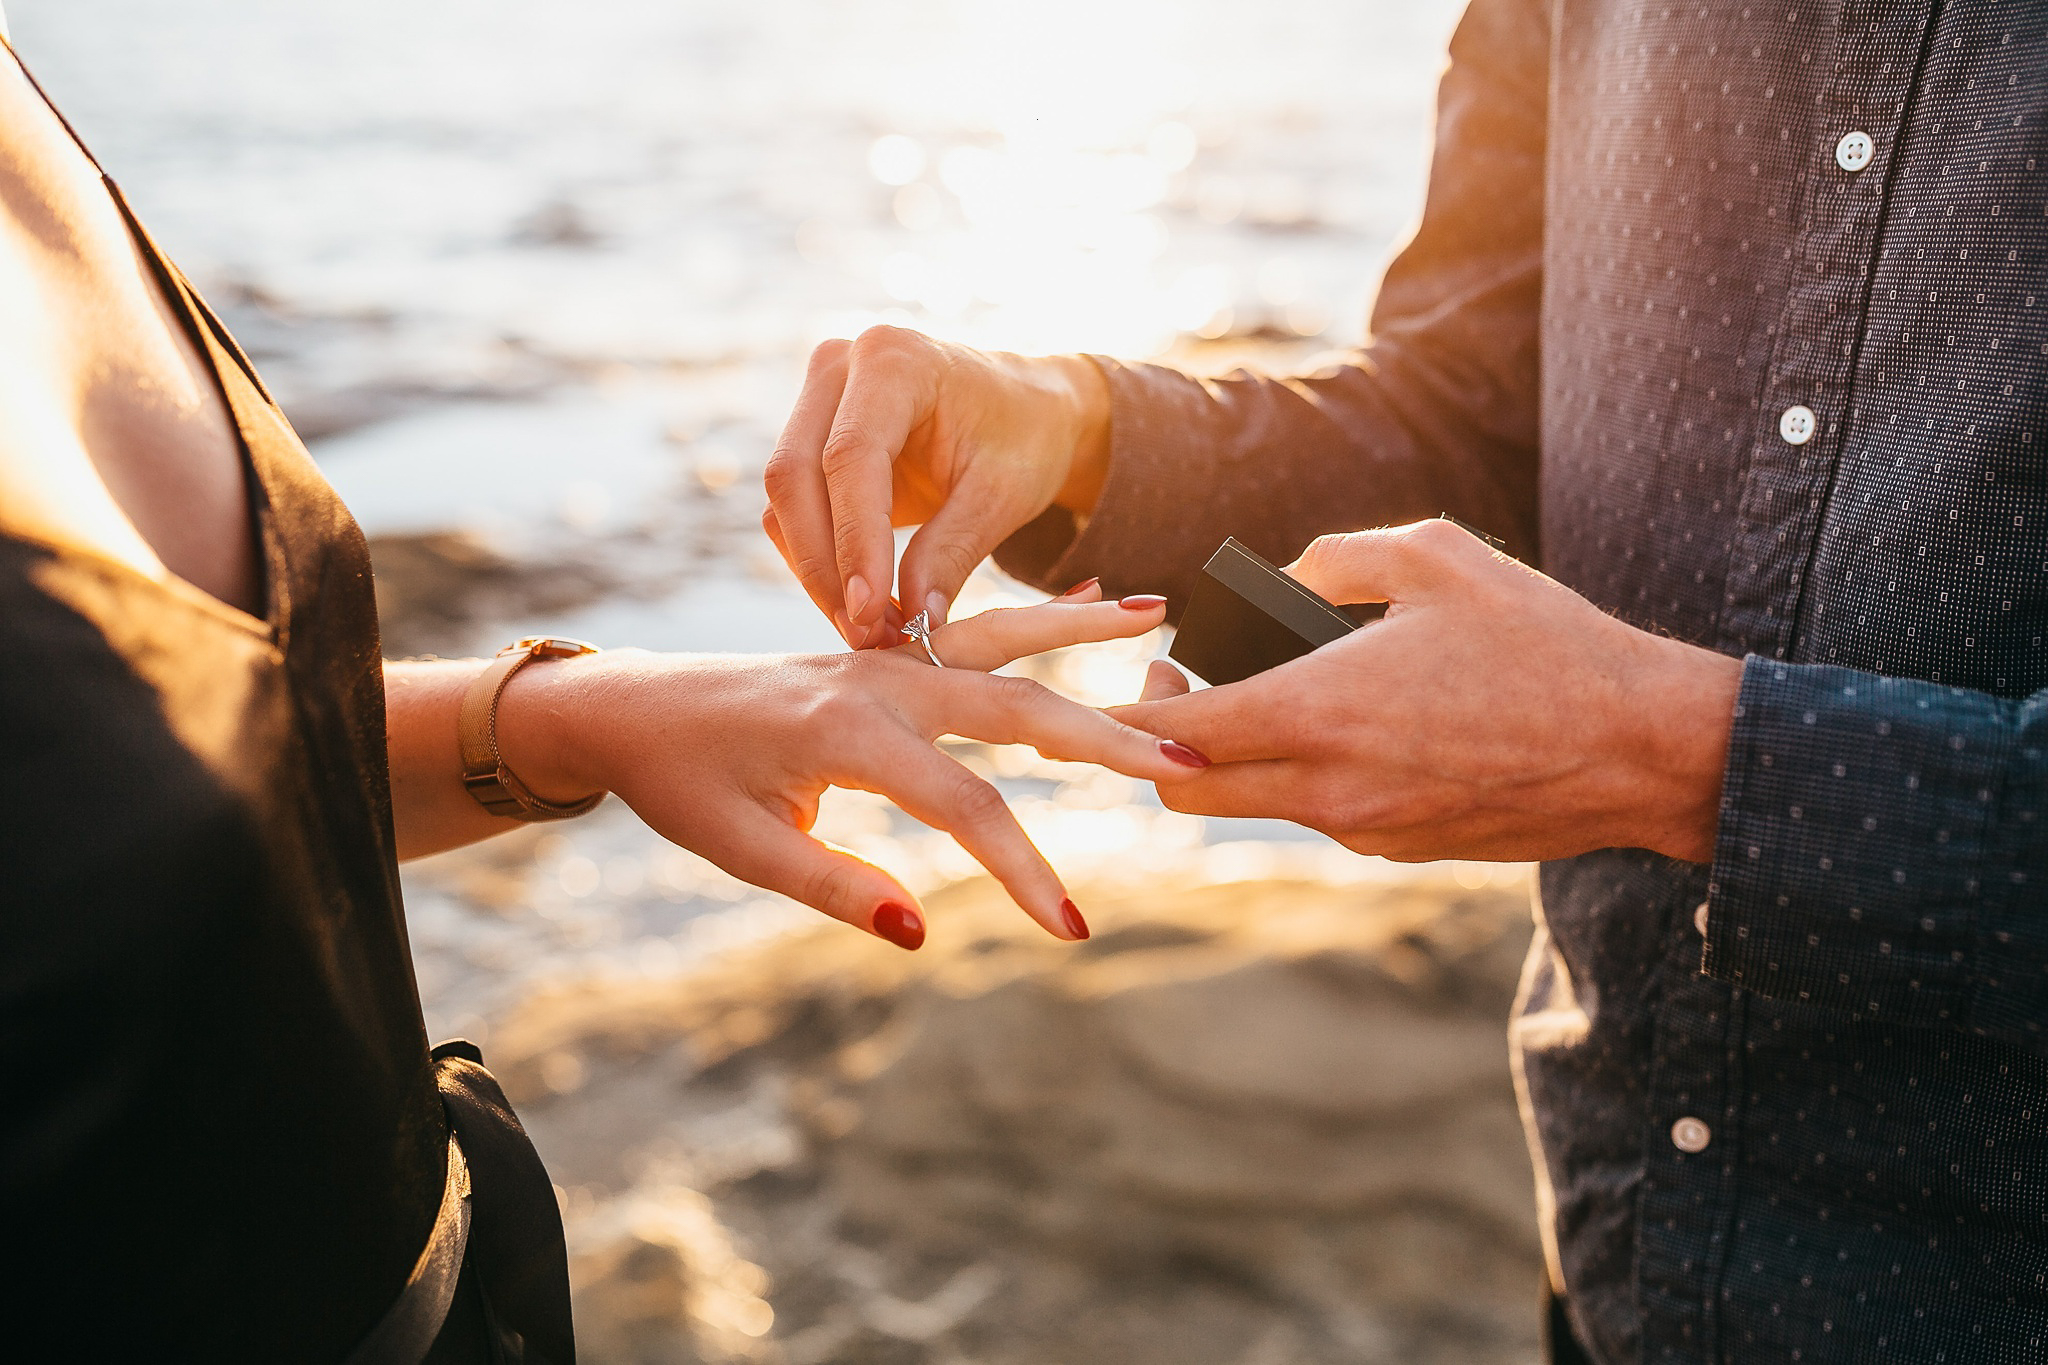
x=550, y=724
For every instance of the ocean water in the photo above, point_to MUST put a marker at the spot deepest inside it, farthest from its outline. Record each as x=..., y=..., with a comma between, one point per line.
x=542, y=277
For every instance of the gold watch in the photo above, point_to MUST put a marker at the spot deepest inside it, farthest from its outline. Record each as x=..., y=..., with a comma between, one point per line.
x=496, y=788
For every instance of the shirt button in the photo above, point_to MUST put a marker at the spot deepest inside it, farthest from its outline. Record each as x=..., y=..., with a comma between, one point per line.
x=1854, y=151
x=1796, y=424
x=1699, y=919
x=1690, y=1135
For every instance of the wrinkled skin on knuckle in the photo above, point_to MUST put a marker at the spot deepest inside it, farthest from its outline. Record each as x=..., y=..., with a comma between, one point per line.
x=831, y=885
x=951, y=561
x=784, y=477
x=1336, y=805
x=1323, y=553
x=1020, y=699
x=847, y=449
x=975, y=804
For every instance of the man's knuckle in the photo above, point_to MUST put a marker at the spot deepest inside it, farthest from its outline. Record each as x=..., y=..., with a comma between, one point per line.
x=828, y=356
x=1326, y=546
x=955, y=559
x=783, y=476
x=1437, y=539
x=847, y=449
x=810, y=566
x=886, y=341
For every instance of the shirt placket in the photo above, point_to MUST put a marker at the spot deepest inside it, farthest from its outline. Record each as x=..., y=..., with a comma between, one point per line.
x=1692, y=1175
x=1803, y=409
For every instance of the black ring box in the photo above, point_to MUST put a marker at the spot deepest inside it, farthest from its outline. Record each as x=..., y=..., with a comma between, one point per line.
x=1245, y=616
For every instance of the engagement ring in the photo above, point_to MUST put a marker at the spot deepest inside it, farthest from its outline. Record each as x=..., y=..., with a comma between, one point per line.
x=919, y=628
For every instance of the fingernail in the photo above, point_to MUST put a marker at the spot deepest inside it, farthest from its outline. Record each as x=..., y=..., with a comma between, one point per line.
x=901, y=925
x=1144, y=601
x=935, y=603
x=858, y=595
x=1080, y=587
x=1070, y=917
x=1183, y=755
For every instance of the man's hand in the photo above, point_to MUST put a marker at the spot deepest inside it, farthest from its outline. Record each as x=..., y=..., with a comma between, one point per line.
x=1492, y=714
x=895, y=429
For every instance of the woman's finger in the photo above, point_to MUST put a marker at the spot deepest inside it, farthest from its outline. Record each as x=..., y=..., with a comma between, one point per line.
x=1001, y=710
x=994, y=638
x=778, y=857
x=933, y=788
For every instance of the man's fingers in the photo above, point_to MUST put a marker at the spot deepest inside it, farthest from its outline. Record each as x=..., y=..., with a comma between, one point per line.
x=994, y=638
x=890, y=388
x=945, y=550
x=799, y=517
x=1265, y=789
x=1163, y=680
x=933, y=788
x=1001, y=710
x=1399, y=563
x=1258, y=718
x=779, y=857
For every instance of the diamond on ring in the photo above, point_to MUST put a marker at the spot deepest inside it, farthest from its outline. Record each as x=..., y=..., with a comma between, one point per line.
x=919, y=628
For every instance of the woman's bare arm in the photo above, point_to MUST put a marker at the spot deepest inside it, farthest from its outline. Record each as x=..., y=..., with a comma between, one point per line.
x=728, y=755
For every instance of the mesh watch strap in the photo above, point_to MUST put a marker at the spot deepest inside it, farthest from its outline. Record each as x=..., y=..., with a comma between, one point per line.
x=496, y=788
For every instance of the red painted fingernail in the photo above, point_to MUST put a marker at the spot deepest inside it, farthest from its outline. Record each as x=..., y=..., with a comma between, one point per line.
x=1183, y=755
x=901, y=925
x=1081, y=587
x=1144, y=601
x=1070, y=916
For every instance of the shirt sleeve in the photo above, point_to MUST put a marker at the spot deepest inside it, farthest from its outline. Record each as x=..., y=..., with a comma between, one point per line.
x=1881, y=850
x=1437, y=413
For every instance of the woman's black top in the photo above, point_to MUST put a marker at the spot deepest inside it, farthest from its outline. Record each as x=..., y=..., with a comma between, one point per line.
x=221, y=1137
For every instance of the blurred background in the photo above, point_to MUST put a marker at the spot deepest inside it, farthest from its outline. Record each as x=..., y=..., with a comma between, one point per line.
x=536, y=283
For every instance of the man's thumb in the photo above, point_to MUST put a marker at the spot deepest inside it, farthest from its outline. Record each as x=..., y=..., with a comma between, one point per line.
x=1390, y=565
x=946, y=549
x=1163, y=680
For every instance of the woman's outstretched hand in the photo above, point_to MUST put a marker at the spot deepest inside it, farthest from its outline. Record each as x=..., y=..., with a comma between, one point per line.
x=728, y=755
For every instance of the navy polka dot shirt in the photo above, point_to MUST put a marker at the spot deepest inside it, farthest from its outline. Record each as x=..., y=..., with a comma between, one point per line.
x=1734, y=316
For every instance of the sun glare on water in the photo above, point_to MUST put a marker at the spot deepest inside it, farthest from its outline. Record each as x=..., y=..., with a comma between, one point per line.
x=1033, y=216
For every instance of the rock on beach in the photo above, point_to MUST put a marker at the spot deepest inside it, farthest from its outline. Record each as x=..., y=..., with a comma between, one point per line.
x=1250, y=1124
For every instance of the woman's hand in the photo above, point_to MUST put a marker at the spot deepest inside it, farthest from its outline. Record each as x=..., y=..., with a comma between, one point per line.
x=728, y=755
x=1492, y=714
